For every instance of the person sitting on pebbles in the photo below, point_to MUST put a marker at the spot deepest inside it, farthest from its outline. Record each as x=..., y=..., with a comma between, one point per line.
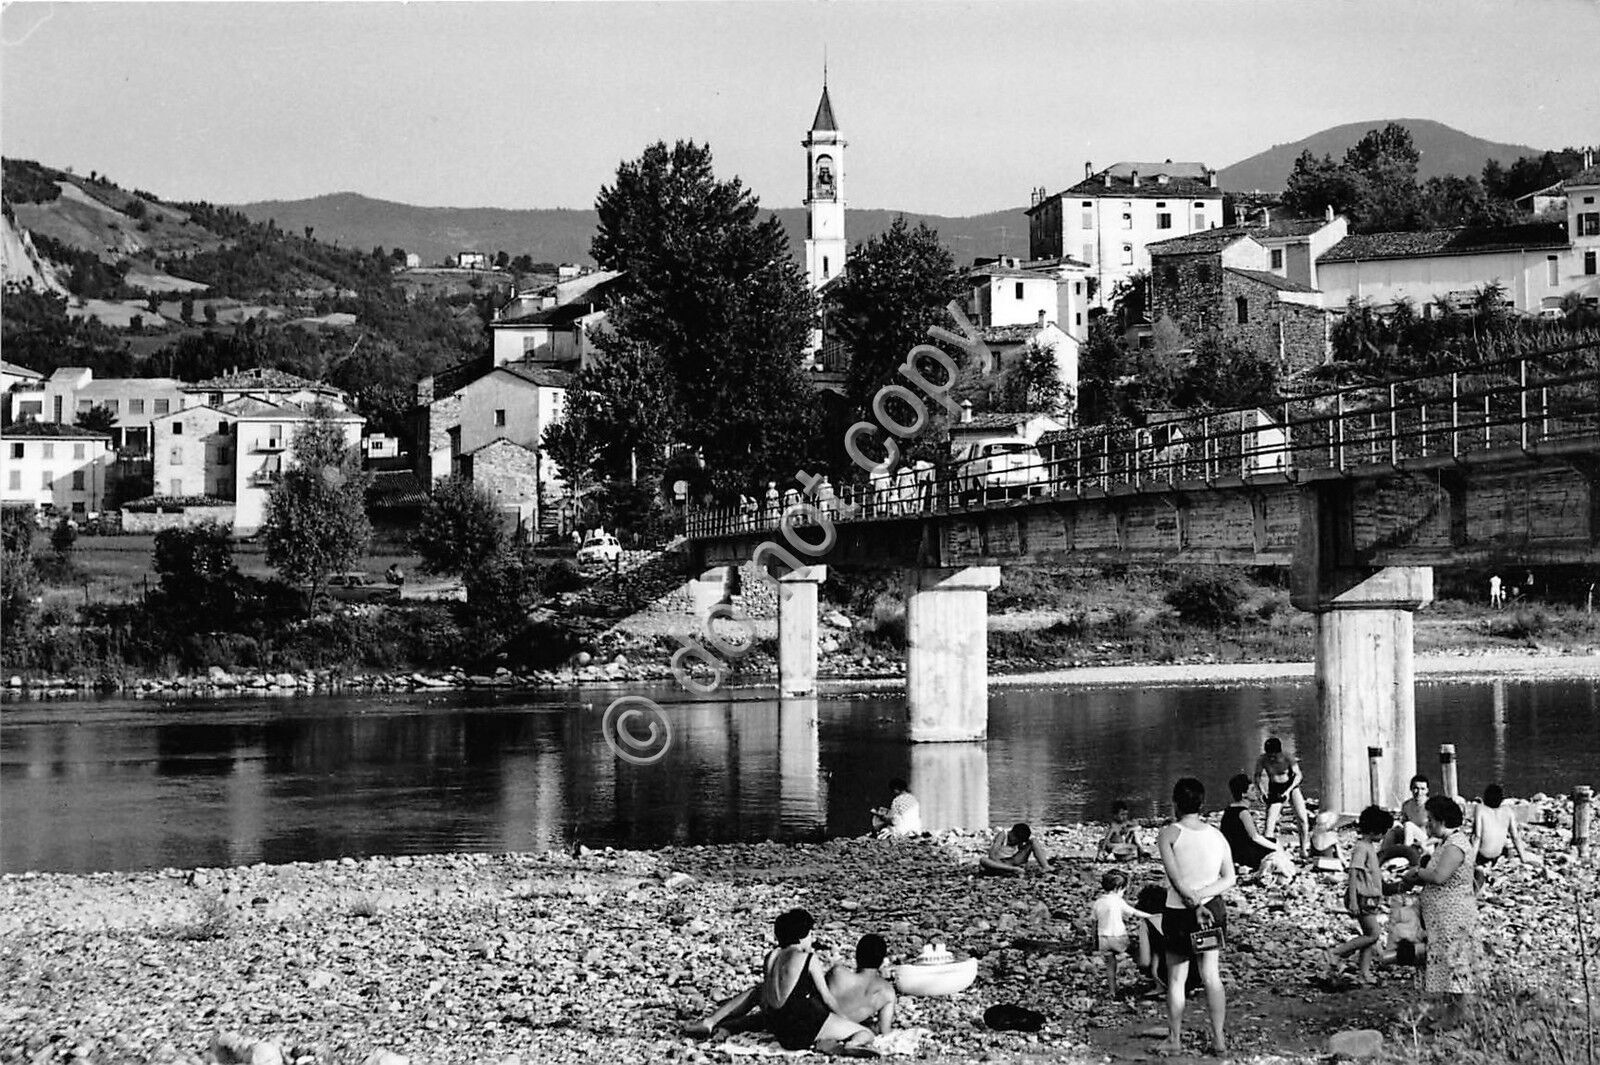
x=1121, y=841
x=862, y=995
x=1009, y=853
x=903, y=815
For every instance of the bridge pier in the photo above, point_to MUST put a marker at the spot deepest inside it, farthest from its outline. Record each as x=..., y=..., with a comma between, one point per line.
x=797, y=630
x=1364, y=673
x=947, y=652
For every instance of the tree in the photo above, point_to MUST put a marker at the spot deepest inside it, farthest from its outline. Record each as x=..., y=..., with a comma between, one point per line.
x=715, y=301
x=97, y=419
x=63, y=538
x=1033, y=384
x=189, y=557
x=501, y=260
x=895, y=286
x=186, y=309
x=211, y=314
x=1317, y=184
x=522, y=264
x=316, y=522
x=575, y=452
x=460, y=528
x=19, y=583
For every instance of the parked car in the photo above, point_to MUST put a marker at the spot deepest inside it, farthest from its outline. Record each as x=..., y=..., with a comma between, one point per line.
x=358, y=587
x=597, y=548
x=989, y=469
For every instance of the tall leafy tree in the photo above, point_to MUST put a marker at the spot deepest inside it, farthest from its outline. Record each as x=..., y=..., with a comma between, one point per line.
x=460, y=528
x=1316, y=184
x=1032, y=384
x=316, y=522
x=575, y=451
x=1387, y=159
x=714, y=296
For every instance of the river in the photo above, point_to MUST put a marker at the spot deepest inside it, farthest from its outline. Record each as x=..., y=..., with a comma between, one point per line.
x=122, y=784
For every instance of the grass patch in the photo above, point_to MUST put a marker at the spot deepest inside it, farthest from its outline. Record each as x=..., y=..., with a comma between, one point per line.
x=213, y=920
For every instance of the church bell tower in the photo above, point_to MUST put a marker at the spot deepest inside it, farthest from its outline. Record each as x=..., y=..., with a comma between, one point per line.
x=826, y=246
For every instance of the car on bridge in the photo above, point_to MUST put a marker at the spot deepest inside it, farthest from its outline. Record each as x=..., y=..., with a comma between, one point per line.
x=999, y=469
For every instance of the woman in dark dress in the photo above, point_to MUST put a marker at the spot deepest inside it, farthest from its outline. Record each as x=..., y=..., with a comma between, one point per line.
x=795, y=999
x=1249, y=848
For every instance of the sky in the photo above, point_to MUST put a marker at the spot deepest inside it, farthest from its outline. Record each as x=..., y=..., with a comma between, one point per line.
x=948, y=107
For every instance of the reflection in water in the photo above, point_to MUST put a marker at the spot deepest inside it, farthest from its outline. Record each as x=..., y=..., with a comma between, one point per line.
x=951, y=782
x=126, y=784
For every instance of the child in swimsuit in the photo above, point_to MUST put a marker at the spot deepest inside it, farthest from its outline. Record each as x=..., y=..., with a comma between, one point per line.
x=1019, y=840
x=1121, y=840
x=1364, y=894
x=1110, y=912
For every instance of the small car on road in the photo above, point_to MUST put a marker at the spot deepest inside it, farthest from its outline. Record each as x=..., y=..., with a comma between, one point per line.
x=598, y=548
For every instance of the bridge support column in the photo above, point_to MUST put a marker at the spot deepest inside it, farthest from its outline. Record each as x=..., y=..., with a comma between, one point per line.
x=797, y=630
x=1365, y=680
x=706, y=591
x=947, y=652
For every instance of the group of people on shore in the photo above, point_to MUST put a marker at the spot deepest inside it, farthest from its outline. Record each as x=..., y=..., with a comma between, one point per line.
x=1181, y=925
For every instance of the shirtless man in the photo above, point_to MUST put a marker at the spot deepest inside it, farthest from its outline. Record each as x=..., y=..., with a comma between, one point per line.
x=1495, y=828
x=1278, y=778
x=1009, y=853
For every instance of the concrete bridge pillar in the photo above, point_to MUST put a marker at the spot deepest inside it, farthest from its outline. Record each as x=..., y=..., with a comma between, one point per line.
x=1365, y=678
x=706, y=591
x=947, y=652
x=797, y=630
x=1365, y=686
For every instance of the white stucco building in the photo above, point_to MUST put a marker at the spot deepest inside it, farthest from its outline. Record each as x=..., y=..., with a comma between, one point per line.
x=1107, y=219
x=49, y=464
x=73, y=390
x=1532, y=261
x=1582, y=275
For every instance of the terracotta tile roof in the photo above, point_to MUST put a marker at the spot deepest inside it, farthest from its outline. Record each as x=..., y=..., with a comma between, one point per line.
x=453, y=379
x=259, y=378
x=1584, y=178
x=51, y=429
x=547, y=376
x=1208, y=242
x=20, y=371
x=1176, y=188
x=1265, y=277
x=981, y=422
x=499, y=440
x=1010, y=334
x=1289, y=227
x=996, y=270
x=396, y=488
x=565, y=315
x=1466, y=240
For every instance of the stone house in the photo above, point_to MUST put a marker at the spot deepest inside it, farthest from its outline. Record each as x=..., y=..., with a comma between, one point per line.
x=512, y=475
x=1220, y=281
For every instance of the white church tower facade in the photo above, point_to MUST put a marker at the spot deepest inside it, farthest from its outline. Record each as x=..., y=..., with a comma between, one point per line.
x=826, y=246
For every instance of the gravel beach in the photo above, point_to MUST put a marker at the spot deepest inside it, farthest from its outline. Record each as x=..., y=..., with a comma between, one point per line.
x=603, y=956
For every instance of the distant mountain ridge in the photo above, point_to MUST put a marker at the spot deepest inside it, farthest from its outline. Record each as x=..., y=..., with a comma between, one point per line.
x=1444, y=150
x=563, y=234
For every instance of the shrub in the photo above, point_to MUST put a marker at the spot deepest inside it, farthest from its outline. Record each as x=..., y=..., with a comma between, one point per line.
x=1208, y=598
x=1524, y=624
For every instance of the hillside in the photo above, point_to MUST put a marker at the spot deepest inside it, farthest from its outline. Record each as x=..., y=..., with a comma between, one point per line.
x=558, y=235
x=1444, y=151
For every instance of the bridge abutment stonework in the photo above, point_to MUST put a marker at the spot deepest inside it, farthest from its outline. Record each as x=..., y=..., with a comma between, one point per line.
x=947, y=652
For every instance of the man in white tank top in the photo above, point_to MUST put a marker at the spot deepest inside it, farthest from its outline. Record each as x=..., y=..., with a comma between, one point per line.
x=1199, y=870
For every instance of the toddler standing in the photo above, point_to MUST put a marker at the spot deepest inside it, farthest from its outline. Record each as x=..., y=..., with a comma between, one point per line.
x=1110, y=912
x=1364, y=893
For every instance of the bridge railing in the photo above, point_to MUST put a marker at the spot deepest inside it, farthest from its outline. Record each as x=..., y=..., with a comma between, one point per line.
x=1513, y=404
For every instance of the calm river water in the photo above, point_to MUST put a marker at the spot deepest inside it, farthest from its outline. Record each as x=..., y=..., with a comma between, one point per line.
x=135, y=784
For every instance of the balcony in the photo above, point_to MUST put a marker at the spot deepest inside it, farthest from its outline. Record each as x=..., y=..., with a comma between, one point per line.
x=271, y=443
x=265, y=478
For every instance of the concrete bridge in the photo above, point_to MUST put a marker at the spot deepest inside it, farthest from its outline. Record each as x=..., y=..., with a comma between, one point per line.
x=1361, y=492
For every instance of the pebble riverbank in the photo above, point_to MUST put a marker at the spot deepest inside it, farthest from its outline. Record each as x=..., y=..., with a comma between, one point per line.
x=601, y=957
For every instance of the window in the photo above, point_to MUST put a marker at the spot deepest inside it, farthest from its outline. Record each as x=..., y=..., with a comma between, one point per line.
x=1277, y=258
x=85, y=405
x=1552, y=267
x=1127, y=220
x=163, y=406
x=1169, y=274
x=16, y=481
x=1088, y=220
x=78, y=450
x=135, y=406
x=216, y=399
x=1088, y=254
x=224, y=457
x=1019, y=290
x=177, y=428
x=177, y=487
x=1077, y=288
x=1203, y=273
x=176, y=455
x=114, y=406
x=31, y=408
x=1164, y=220
x=49, y=451
x=1241, y=306
x=1078, y=318
x=825, y=267
x=46, y=480
x=1199, y=221
x=16, y=450
x=77, y=480
x=499, y=418
x=1589, y=224
x=79, y=507
x=1588, y=262
x=1127, y=255
x=58, y=409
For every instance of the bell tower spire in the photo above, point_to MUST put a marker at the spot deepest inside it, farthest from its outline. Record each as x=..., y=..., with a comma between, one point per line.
x=826, y=245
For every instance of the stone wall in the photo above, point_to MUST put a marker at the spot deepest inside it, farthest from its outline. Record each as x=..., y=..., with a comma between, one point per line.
x=509, y=471
x=145, y=522
x=1303, y=332
x=1187, y=289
